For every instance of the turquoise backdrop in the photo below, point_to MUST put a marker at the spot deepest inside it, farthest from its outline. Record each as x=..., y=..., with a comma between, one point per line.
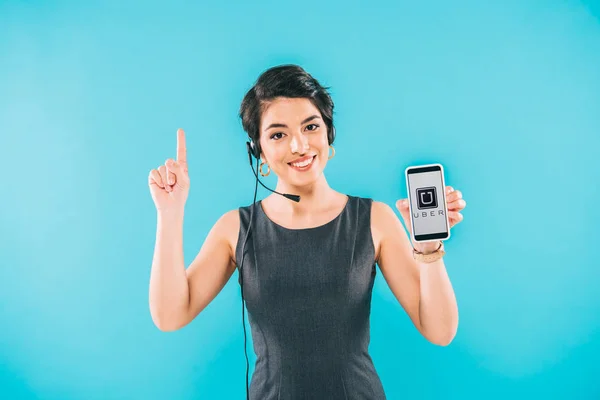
x=505, y=94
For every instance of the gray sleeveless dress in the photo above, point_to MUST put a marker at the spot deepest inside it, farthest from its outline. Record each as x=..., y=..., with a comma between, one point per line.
x=308, y=295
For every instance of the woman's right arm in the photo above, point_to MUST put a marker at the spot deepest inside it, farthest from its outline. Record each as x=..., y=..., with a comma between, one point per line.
x=177, y=295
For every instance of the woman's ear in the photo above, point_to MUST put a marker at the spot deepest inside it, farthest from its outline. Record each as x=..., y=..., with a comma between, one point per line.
x=262, y=155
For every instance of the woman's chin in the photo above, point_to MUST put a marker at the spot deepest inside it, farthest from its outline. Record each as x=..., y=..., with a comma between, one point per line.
x=304, y=180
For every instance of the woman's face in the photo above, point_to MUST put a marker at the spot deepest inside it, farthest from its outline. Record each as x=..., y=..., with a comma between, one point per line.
x=292, y=129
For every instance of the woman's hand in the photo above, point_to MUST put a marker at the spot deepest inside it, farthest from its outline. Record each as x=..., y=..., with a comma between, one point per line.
x=170, y=183
x=455, y=204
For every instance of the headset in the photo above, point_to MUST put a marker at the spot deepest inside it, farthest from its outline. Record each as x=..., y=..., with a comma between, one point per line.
x=254, y=151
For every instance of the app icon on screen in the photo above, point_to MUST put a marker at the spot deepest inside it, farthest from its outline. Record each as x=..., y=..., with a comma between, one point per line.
x=427, y=198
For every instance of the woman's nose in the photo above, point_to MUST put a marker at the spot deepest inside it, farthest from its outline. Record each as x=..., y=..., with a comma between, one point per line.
x=299, y=145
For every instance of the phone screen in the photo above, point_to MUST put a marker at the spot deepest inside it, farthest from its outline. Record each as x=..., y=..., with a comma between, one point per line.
x=426, y=192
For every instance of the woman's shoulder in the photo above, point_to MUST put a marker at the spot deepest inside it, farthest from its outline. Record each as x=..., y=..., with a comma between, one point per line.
x=379, y=211
x=376, y=212
x=365, y=200
x=229, y=225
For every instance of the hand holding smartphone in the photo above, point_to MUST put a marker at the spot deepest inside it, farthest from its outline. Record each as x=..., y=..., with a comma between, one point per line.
x=426, y=190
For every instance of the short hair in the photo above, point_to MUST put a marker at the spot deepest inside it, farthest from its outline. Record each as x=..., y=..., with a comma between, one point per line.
x=284, y=81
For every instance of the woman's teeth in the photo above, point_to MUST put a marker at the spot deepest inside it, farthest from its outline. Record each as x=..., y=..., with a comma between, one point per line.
x=304, y=163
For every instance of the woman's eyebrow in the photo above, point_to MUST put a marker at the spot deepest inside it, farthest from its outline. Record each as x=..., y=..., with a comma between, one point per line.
x=278, y=125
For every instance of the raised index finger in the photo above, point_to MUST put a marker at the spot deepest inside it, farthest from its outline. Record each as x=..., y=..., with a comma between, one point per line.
x=181, y=150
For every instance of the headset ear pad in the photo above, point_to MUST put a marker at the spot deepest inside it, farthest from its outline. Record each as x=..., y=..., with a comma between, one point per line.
x=253, y=149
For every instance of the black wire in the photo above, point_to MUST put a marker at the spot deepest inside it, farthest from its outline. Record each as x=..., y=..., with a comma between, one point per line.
x=242, y=277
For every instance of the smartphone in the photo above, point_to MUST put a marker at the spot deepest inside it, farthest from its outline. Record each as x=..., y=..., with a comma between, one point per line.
x=426, y=190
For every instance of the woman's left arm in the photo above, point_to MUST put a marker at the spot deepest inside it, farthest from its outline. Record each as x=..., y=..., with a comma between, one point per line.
x=423, y=289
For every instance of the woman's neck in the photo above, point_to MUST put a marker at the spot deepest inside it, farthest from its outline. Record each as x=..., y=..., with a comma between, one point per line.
x=314, y=198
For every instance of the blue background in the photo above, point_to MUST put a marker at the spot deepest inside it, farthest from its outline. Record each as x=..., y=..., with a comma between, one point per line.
x=505, y=94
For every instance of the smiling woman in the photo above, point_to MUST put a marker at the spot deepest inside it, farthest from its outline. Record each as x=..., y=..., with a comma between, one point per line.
x=306, y=268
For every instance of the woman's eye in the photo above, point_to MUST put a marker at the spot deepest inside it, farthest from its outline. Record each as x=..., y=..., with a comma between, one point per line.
x=275, y=134
x=315, y=126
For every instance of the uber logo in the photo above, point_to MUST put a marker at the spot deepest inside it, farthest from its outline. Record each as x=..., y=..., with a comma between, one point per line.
x=425, y=215
x=427, y=198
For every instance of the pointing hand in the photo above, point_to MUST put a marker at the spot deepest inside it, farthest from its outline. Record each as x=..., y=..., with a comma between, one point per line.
x=170, y=183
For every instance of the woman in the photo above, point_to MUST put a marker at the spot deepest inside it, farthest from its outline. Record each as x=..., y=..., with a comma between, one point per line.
x=309, y=266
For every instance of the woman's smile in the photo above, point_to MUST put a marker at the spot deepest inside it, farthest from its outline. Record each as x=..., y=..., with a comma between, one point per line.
x=304, y=165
